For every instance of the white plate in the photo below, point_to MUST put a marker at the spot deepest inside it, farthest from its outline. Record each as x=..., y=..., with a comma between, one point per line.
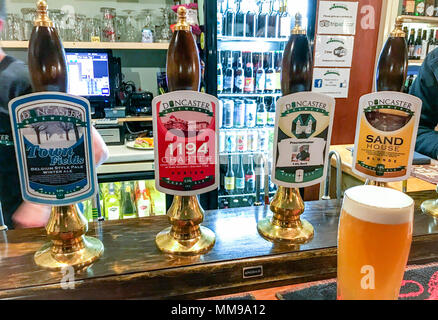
x=130, y=145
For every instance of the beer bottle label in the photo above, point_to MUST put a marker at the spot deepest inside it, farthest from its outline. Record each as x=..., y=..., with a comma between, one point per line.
x=229, y=183
x=420, y=7
x=271, y=118
x=52, y=136
x=249, y=84
x=261, y=118
x=228, y=82
x=240, y=183
x=277, y=81
x=113, y=213
x=386, y=132
x=430, y=10
x=239, y=82
x=270, y=81
x=260, y=82
x=185, y=130
x=301, y=140
x=220, y=84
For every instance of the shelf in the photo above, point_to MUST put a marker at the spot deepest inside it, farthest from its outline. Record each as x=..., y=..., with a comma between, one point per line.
x=248, y=95
x=252, y=39
x=419, y=19
x=262, y=193
x=94, y=45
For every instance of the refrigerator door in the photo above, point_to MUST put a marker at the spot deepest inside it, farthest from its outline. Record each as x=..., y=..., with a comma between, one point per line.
x=245, y=41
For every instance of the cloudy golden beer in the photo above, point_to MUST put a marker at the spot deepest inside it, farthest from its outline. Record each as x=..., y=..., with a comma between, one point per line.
x=374, y=239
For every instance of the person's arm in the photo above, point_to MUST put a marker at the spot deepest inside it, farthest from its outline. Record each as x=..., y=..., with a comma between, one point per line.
x=31, y=215
x=425, y=87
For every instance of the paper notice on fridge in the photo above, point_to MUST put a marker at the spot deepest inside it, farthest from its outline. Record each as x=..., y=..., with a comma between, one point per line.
x=331, y=81
x=298, y=153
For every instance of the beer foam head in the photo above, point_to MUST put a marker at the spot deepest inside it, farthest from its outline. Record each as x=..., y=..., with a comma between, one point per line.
x=378, y=205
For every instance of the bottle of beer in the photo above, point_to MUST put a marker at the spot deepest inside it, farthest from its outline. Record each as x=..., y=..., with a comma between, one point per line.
x=411, y=45
x=296, y=73
x=183, y=66
x=239, y=76
x=260, y=75
x=430, y=8
x=418, y=46
x=393, y=62
x=424, y=45
x=240, y=177
x=261, y=117
x=229, y=19
x=229, y=177
x=271, y=113
x=262, y=20
x=269, y=73
x=129, y=210
x=278, y=59
x=229, y=76
x=250, y=176
x=430, y=42
x=273, y=20
x=250, y=22
x=46, y=56
x=419, y=7
x=220, y=76
x=435, y=13
x=285, y=21
x=239, y=25
x=249, y=74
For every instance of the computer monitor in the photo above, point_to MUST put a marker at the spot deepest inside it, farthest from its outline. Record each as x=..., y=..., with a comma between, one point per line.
x=90, y=75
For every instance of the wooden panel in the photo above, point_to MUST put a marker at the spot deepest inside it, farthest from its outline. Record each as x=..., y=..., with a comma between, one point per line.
x=132, y=266
x=361, y=76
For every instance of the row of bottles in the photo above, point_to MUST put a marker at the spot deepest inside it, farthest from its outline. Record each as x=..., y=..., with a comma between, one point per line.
x=127, y=199
x=420, y=42
x=251, y=18
x=240, y=173
x=249, y=72
x=428, y=8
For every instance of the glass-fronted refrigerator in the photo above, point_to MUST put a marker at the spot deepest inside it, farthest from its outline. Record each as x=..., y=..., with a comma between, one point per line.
x=245, y=49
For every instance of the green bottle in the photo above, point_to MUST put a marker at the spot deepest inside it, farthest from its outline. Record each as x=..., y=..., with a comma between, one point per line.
x=112, y=204
x=129, y=209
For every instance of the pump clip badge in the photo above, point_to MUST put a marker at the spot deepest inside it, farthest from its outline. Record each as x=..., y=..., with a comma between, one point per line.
x=386, y=132
x=52, y=136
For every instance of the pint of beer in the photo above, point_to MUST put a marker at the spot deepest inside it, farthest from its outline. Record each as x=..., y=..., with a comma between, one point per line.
x=374, y=239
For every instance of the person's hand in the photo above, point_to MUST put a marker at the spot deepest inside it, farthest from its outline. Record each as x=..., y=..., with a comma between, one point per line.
x=100, y=149
x=31, y=215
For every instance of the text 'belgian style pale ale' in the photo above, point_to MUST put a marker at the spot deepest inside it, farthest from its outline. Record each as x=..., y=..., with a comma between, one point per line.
x=374, y=239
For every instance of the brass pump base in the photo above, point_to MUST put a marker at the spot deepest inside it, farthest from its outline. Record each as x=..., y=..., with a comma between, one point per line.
x=430, y=207
x=285, y=225
x=69, y=246
x=185, y=236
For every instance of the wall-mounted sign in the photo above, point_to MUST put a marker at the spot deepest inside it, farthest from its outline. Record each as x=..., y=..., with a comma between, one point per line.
x=52, y=135
x=334, y=51
x=186, y=157
x=331, y=81
x=303, y=127
x=386, y=132
x=337, y=17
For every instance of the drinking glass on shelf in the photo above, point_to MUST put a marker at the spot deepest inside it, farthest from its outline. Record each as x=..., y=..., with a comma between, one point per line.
x=92, y=30
x=66, y=21
x=144, y=21
x=132, y=32
x=28, y=20
x=79, y=32
x=165, y=33
x=108, y=24
x=14, y=26
x=120, y=22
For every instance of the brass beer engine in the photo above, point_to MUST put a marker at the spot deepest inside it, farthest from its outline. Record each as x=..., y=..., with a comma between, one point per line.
x=67, y=226
x=185, y=236
x=287, y=205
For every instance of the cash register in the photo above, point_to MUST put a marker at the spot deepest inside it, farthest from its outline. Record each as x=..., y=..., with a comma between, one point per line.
x=93, y=75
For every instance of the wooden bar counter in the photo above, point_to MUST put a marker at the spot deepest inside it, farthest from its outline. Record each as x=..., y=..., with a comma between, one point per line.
x=133, y=268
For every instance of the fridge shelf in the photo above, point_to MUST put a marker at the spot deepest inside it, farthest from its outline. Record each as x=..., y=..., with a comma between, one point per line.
x=247, y=128
x=249, y=95
x=243, y=153
x=252, y=39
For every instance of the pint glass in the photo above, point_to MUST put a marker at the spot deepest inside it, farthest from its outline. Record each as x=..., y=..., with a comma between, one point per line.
x=374, y=239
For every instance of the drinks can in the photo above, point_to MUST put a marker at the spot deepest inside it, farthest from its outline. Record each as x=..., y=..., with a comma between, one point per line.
x=241, y=141
x=221, y=141
x=230, y=141
x=252, y=140
x=263, y=140
x=228, y=113
x=250, y=113
x=239, y=114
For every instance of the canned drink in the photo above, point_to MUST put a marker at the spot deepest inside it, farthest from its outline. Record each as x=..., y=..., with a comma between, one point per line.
x=250, y=113
x=228, y=113
x=241, y=139
x=230, y=141
x=263, y=140
x=252, y=140
x=221, y=141
x=239, y=114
